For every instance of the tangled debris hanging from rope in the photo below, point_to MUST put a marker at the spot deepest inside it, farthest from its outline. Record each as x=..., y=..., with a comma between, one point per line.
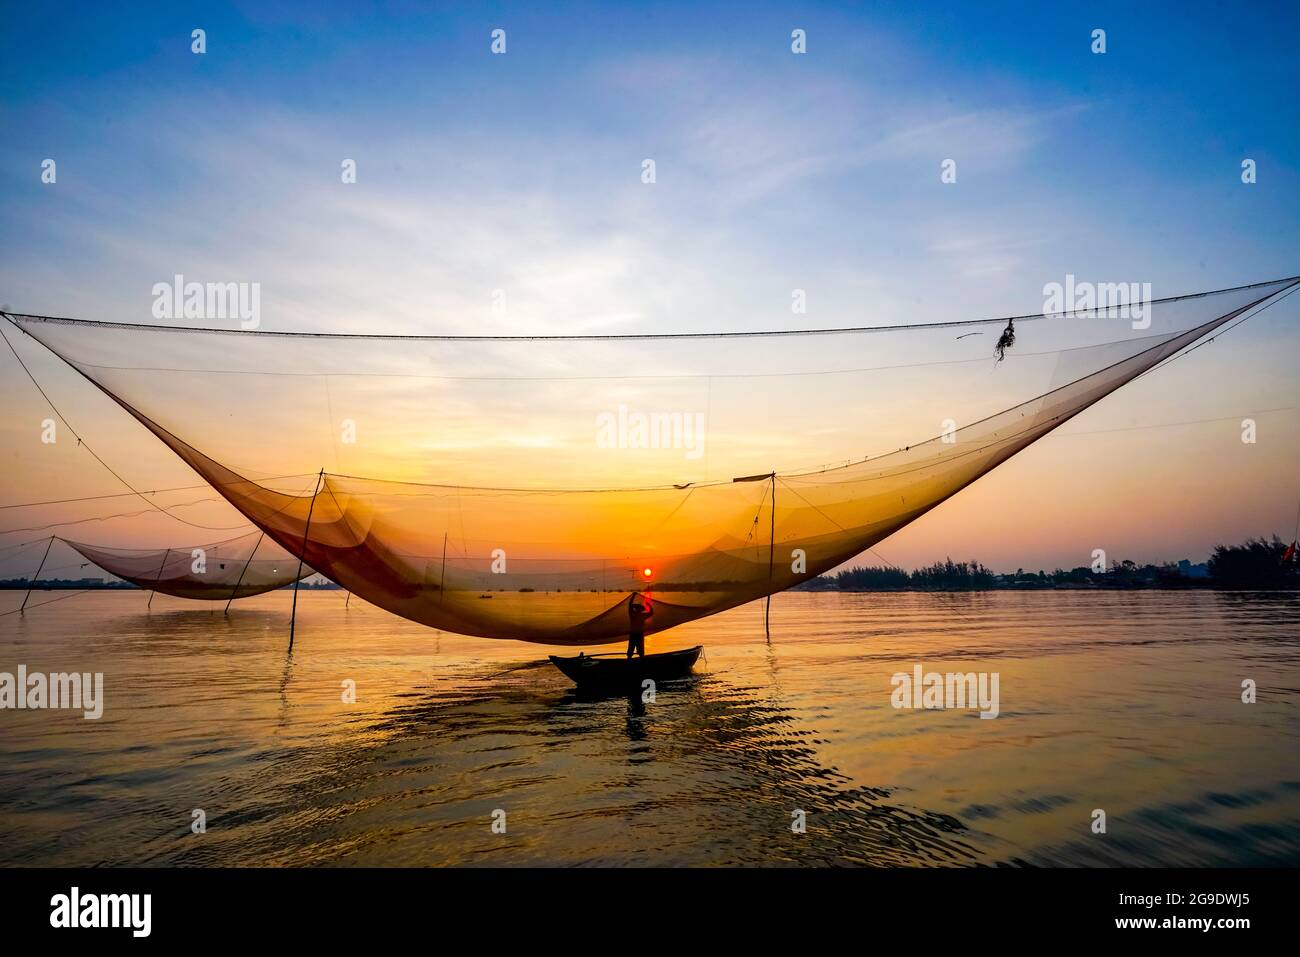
x=1006, y=340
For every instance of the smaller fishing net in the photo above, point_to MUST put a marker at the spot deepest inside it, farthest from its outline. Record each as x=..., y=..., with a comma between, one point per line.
x=236, y=568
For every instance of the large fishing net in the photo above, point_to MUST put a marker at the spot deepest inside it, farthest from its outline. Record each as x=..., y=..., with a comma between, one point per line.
x=527, y=488
x=236, y=568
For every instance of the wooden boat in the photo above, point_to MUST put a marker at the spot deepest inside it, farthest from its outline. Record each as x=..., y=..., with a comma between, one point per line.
x=613, y=670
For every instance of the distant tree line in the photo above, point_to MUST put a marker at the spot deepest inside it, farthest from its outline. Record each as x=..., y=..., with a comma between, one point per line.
x=1257, y=563
x=941, y=576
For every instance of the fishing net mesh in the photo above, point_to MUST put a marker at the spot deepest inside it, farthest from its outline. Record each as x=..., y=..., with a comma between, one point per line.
x=235, y=568
x=529, y=488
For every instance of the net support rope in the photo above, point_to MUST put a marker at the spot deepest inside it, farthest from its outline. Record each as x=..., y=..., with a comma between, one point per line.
x=81, y=443
x=637, y=336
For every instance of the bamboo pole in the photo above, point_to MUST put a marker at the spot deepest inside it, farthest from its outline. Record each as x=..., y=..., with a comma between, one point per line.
x=243, y=571
x=442, y=575
x=293, y=615
x=771, y=565
x=157, y=578
x=22, y=610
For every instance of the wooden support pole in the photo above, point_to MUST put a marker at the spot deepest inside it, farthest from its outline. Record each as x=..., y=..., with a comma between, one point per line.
x=771, y=565
x=293, y=616
x=157, y=578
x=243, y=571
x=442, y=575
x=23, y=610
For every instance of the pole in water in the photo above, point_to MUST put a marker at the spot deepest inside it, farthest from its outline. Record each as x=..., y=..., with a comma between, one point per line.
x=442, y=575
x=157, y=578
x=771, y=565
x=244, y=571
x=293, y=615
x=36, y=577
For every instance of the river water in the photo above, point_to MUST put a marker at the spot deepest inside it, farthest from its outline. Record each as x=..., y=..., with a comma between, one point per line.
x=1129, y=703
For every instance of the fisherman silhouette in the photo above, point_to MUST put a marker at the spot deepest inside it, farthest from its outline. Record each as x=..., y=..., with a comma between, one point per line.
x=638, y=614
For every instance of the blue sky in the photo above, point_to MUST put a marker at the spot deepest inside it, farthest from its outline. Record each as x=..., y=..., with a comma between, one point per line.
x=818, y=171
x=775, y=171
